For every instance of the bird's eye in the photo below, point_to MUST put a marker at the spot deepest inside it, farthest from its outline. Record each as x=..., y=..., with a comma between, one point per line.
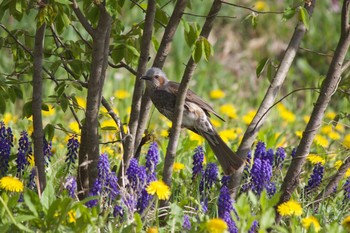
x=156, y=76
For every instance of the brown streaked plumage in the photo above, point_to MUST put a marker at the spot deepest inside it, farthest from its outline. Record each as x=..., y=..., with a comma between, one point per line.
x=195, y=117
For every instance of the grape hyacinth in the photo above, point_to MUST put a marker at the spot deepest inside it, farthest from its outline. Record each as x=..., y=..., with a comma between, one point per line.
x=105, y=184
x=261, y=171
x=71, y=186
x=6, y=140
x=47, y=151
x=23, y=150
x=254, y=227
x=198, y=159
x=72, y=154
x=152, y=158
x=294, y=151
x=315, y=178
x=225, y=206
x=280, y=155
x=209, y=178
x=186, y=223
x=31, y=184
x=118, y=211
x=136, y=175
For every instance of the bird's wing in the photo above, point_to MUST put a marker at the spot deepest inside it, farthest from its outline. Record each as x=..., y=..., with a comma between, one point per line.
x=173, y=87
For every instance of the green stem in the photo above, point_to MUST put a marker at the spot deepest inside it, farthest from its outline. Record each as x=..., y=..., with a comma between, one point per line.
x=156, y=212
x=8, y=211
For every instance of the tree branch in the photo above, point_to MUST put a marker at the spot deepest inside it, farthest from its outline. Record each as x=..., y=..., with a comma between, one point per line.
x=251, y=9
x=270, y=96
x=180, y=100
x=328, y=88
x=38, y=133
x=82, y=18
x=139, y=87
x=159, y=61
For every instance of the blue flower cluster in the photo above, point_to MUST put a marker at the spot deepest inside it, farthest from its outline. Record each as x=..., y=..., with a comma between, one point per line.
x=24, y=149
x=6, y=140
x=139, y=177
x=186, y=225
x=105, y=185
x=315, y=178
x=346, y=188
x=71, y=186
x=72, y=154
x=198, y=159
x=47, y=151
x=225, y=206
x=254, y=227
x=259, y=176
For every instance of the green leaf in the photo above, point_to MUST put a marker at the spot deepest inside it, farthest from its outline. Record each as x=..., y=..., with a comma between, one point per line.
x=208, y=49
x=64, y=103
x=17, y=91
x=288, y=13
x=117, y=53
x=138, y=222
x=198, y=51
x=191, y=34
x=32, y=201
x=27, y=109
x=45, y=107
x=49, y=131
x=48, y=196
x=155, y=43
x=109, y=128
x=304, y=17
x=261, y=66
x=2, y=105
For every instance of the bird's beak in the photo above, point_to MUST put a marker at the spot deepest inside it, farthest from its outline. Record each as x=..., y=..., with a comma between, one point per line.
x=146, y=78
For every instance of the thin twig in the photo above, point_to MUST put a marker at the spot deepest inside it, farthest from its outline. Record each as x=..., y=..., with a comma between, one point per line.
x=251, y=9
x=82, y=18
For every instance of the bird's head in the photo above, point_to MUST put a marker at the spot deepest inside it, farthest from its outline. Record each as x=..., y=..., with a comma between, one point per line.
x=155, y=77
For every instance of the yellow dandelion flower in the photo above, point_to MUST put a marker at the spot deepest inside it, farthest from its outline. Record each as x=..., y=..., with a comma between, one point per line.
x=285, y=113
x=306, y=119
x=229, y=110
x=227, y=135
x=30, y=129
x=11, y=184
x=108, y=150
x=216, y=225
x=8, y=117
x=30, y=160
x=248, y=117
x=326, y=129
x=72, y=216
x=290, y=208
x=339, y=128
x=204, y=160
x=74, y=127
x=159, y=188
x=346, y=223
x=334, y=135
x=152, y=230
x=195, y=137
x=321, y=141
x=330, y=115
x=109, y=123
x=338, y=164
x=164, y=133
x=347, y=173
x=121, y=94
x=346, y=141
x=216, y=123
x=217, y=94
x=315, y=159
x=311, y=220
x=178, y=167
x=81, y=102
x=261, y=6
x=299, y=133
x=51, y=112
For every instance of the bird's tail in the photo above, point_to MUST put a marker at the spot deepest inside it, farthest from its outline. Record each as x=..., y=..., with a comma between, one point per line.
x=228, y=159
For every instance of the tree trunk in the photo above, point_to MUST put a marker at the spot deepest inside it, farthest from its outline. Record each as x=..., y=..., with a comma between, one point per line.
x=328, y=88
x=89, y=148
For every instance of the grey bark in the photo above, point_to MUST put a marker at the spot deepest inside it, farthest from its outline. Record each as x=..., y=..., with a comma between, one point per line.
x=159, y=61
x=89, y=148
x=269, y=99
x=139, y=86
x=180, y=100
x=38, y=133
x=328, y=88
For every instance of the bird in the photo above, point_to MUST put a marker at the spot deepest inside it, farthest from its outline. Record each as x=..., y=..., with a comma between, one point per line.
x=196, y=115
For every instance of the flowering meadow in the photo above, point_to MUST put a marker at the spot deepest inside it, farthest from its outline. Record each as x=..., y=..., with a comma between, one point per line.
x=199, y=199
